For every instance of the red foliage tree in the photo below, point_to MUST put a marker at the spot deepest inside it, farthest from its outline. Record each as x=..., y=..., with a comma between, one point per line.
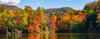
x=30, y=28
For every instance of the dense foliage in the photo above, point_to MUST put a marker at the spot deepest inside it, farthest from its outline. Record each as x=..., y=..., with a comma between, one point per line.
x=29, y=20
x=26, y=20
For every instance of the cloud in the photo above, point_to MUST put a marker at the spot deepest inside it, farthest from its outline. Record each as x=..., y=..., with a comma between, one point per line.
x=10, y=2
x=38, y=3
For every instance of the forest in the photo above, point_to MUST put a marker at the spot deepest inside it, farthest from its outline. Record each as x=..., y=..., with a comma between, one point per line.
x=30, y=21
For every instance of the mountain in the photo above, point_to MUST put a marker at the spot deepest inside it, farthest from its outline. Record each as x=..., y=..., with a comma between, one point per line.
x=10, y=7
x=59, y=10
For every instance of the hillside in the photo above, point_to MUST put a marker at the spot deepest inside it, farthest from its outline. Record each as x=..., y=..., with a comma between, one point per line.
x=10, y=7
x=59, y=10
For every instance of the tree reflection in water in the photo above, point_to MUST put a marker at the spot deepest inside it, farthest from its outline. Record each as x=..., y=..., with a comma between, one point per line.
x=41, y=36
x=30, y=36
x=52, y=36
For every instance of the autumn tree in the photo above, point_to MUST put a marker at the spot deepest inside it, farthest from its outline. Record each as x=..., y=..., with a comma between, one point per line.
x=43, y=19
x=97, y=11
x=2, y=9
x=91, y=16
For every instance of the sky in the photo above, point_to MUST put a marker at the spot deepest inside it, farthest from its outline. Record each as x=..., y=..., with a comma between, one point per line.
x=46, y=4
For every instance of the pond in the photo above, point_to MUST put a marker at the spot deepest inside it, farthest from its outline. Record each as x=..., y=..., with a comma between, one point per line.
x=53, y=36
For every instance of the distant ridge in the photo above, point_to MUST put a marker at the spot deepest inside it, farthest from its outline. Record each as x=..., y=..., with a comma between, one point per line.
x=53, y=10
x=10, y=7
x=59, y=10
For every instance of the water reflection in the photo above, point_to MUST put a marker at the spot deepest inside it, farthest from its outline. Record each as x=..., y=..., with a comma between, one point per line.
x=41, y=36
x=52, y=36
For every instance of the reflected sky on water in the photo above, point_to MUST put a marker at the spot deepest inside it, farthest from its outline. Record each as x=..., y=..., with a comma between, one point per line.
x=52, y=36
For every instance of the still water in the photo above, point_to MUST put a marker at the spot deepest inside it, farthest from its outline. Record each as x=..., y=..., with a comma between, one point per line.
x=53, y=36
